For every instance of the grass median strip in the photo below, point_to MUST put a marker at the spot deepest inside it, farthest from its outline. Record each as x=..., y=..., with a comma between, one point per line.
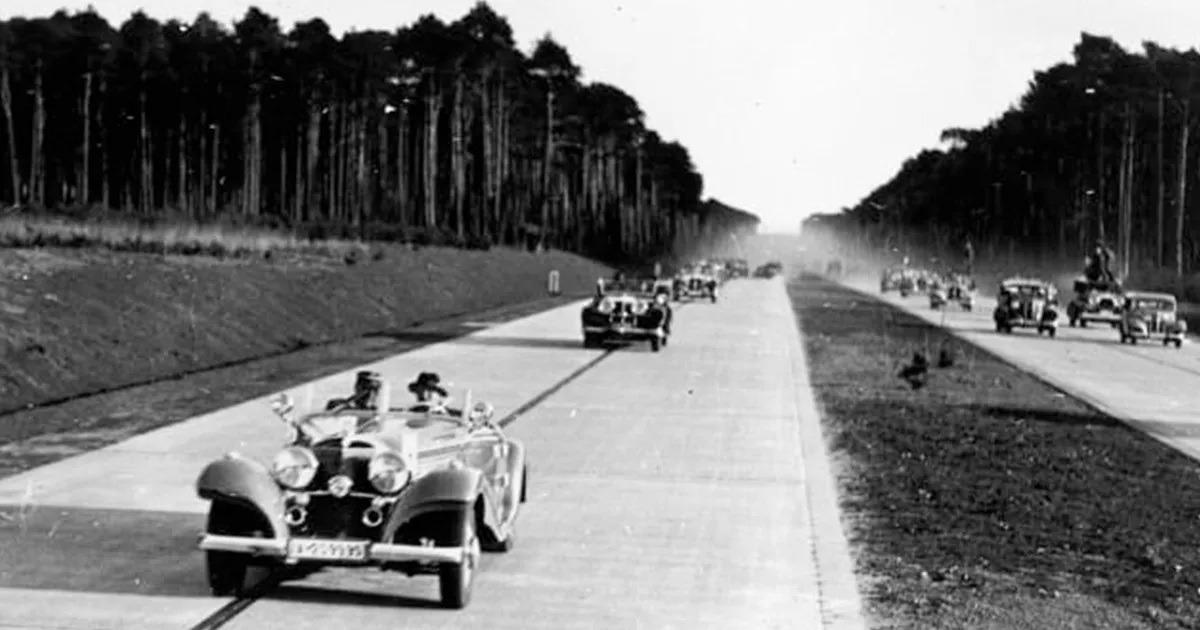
x=982, y=497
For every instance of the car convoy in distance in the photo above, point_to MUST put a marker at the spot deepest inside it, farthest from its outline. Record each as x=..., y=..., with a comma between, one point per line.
x=1028, y=302
x=419, y=489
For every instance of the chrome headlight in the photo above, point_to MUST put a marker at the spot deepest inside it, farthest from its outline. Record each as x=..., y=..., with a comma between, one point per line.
x=640, y=307
x=388, y=472
x=605, y=306
x=294, y=467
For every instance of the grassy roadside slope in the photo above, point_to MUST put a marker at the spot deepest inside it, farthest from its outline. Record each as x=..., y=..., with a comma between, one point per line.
x=987, y=499
x=77, y=320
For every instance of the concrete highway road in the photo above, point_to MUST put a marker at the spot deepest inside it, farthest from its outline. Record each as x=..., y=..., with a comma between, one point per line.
x=1152, y=387
x=686, y=488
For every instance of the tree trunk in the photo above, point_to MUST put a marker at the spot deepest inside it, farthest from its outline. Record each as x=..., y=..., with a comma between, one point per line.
x=214, y=171
x=181, y=193
x=146, y=182
x=457, y=174
x=312, y=155
x=1180, y=202
x=433, y=108
x=85, y=180
x=402, y=164
x=14, y=168
x=547, y=160
x=1160, y=183
x=36, y=159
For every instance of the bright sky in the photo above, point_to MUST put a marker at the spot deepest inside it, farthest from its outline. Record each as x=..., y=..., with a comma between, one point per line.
x=789, y=107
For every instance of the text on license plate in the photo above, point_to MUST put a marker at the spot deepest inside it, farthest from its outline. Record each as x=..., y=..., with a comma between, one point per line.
x=327, y=550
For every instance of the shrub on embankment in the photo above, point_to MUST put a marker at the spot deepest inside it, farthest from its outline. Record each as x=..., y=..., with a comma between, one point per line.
x=77, y=319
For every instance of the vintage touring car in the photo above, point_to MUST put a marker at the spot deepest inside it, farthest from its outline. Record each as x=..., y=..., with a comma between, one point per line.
x=961, y=289
x=890, y=279
x=421, y=489
x=1146, y=315
x=1095, y=302
x=695, y=282
x=628, y=310
x=1026, y=303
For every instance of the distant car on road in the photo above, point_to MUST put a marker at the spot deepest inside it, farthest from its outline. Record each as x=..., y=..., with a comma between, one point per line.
x=1145, y=315
x=1026, y=303
x=628, y=310
x=696, y=282
x=419, y=489
x=769, y=269
x=1095, y=302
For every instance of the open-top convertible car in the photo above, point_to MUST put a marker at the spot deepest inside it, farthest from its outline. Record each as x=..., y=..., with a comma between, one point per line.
x=628, y=310
x=1146, y=315
x=1026, y=303
x=1095, y=302
x=695, y=282
x=419, y=489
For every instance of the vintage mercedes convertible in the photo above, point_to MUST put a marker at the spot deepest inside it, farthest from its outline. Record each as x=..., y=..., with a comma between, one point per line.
x=696, y=282
x=418, y=489
x=628, y=310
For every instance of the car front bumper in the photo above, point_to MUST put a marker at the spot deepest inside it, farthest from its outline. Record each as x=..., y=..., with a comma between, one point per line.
x=376, y=553
x=625, y=332
x=1170, y=336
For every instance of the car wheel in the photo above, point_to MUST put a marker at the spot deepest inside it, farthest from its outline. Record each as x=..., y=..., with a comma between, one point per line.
x=591, y=341
x=654, y=344
x=1073, y=322
x=1133, y=340
x=1051, y=331
x=1178, y=344
x=455, y=581
x=228, y=572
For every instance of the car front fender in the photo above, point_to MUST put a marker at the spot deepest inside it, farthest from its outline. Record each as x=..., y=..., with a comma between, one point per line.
x=247, y=483
x=438, y=490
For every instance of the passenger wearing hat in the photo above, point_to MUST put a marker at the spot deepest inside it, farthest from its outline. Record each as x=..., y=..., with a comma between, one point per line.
x=425, y=386
x=366, y=391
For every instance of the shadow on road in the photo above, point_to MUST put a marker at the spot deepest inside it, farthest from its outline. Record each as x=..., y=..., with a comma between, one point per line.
x=101, y=551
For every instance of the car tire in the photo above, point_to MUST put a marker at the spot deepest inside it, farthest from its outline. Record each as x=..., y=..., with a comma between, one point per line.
x=591, y=341
x=654, y=344
x=456, y=581
x=1051, y=332
x=228, y=572
x=1133, y=341
x=1178, y=344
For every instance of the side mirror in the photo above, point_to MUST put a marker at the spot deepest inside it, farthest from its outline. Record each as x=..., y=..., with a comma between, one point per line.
x=481, y=413
x=282, y=405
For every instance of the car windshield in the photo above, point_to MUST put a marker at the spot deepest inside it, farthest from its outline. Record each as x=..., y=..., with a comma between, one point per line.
x=635, y=285
x=1152, y=304
x=323, y=418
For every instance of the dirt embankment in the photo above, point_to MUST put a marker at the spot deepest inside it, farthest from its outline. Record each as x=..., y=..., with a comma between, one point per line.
x=78, y=321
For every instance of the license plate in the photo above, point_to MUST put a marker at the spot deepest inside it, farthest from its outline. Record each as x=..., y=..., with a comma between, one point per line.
x=339, y=550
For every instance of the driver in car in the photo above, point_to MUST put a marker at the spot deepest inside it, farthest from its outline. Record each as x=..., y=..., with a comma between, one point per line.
x=366, y=391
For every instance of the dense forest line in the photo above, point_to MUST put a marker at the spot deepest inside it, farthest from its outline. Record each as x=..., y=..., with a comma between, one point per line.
x=441, y=132
x=1102, y=147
